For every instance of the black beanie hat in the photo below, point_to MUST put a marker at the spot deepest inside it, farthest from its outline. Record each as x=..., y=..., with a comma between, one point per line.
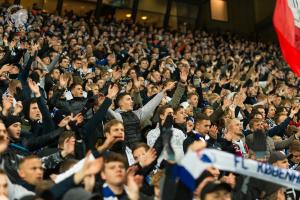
x=11, y=119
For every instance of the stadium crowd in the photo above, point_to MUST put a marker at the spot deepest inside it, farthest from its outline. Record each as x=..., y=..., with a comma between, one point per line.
x=136, y=98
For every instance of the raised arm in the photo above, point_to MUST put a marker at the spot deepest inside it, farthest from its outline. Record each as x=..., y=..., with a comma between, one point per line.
x=284, y=144
x=51, y=66
x=147, y=110
x=47, y=120
x=180, y=89
x=89, y=136
x=113, y=114
x=35, y=143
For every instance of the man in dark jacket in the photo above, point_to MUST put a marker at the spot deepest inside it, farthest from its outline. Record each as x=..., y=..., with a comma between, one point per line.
x=203, y=131
x=133, y=120
x=74, y=105
x=24, y=143
x=37, y=113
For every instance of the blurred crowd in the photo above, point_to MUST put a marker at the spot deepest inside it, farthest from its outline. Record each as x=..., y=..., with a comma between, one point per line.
x=100, y=109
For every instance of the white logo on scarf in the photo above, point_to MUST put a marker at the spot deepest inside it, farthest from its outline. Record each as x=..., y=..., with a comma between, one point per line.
x=17, y=16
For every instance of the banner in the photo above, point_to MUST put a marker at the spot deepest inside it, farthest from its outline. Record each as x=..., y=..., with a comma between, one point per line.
x=194, y=163
x=286, y=21
x=76, y=168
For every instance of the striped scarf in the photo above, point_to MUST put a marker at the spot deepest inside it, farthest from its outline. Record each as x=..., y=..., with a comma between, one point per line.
x=108, y=194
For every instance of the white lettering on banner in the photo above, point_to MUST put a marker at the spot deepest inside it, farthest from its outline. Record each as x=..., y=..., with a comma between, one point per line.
x=229, y=162
x=275, y=172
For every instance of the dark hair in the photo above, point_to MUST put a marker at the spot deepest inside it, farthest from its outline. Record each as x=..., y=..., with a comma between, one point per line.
x=63, y=136
x=74, y=85
x=162, y=109
x=253, y=121
x=258, y=107
x=109, y=124
x=140, y=145
x=120, y=97
x=26, y=107
x=114, y=157
x=130, y=70
x=176, y=110
x=201, y=118
x=206, y=108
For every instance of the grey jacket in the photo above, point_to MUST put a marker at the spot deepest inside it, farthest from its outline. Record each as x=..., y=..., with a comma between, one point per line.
x=144, y=113
x=271, y=145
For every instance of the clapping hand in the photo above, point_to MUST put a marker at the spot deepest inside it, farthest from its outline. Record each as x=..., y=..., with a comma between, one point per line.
x=110, y=140
x=90, y=167
x=18, y=108
x=34, y=87
x=113, y=91
x=134, y=183
x=294, y=111
x=148, y=158
x=68, y=147
x=213, y=132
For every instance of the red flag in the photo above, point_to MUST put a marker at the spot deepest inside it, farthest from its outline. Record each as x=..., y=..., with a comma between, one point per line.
x=286, y=21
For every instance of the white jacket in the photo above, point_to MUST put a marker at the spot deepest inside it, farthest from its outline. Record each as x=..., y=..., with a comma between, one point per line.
x=176, y=142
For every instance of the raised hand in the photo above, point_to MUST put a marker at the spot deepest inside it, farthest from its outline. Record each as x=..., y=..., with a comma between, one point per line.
x=184, y=75
x=128, y=87
x=134, y=183
x=213, y=132
x=6, y=68
x=294, y=111
x=34, y=87
x=7, y=103
x=18, y=108
x=136, y=84
x=68, y=147
x=148, y=158
x=78, y=118
x=227, y=102
x=110, y=140
x=116, y=74
x=230, y=179
x=113, y=91
x=63, y=81
x=169, y=86
x=90, y=167
x=239, y=100
x=65, y=122
x=89, y=183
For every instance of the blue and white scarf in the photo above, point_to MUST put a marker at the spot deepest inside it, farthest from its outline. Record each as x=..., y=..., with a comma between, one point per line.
x=108, y=194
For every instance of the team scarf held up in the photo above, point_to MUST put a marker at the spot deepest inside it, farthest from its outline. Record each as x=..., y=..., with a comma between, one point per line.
x=194, y=163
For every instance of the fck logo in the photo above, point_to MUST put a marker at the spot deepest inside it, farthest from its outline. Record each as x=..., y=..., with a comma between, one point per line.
x=17, y=16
